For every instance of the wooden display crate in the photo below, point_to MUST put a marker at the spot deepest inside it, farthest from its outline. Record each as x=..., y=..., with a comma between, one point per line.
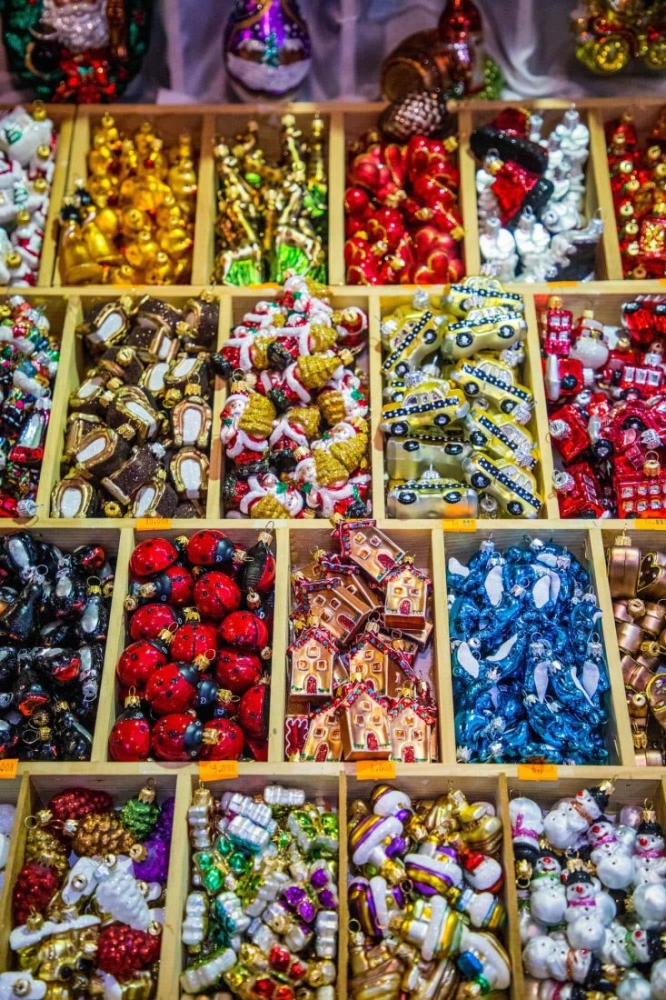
x=119, y=638
x=35, y=792
x=224, y=123
x=587, y=547
x=473, y=116
x=77, y=361
x=111, y=541
x=426, y=548
x=170, y=123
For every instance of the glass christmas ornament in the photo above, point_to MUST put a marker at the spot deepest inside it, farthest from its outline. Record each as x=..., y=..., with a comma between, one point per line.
x=267, y=47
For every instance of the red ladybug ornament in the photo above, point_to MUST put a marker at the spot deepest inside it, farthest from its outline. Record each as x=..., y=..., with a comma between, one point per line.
x=147, y=622
x=172, y=688
x=237, y=670
x=178, y=736
x=228, y=744
x=257, y=749
x=253, y=712
x=195, y=639
x=152, y=556
x=139, y=660
x=174, y=586
x=216, y=594
x=129, y=740
x=211, y=547
x=245, y=630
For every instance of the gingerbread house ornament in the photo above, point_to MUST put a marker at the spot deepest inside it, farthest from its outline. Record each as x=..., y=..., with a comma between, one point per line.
x=364, y=727
x=323, y=742
x=406, y=602
x=335, y=608
x=374, y=662
x=364, y=544
x=412, y=729
x=312, y=660
x=334, y=567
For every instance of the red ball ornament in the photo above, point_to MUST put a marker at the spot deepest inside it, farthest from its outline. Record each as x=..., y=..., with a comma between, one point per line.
x=129, y=740
x=210, y=547
x=34, y=888
x=147, y=622
x=195, y=639
x=172, y=688
x=245, y=630
x=216, y=594
x=152, y=556
x=236, y=670
x=121, y=950
x=228, y=744
x=253, y=712
x=139, y=661
x=177, y=736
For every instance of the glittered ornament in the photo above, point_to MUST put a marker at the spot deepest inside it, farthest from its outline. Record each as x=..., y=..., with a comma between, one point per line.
x=612, y=33
x=33, y=890
x=121, y=950
x=267, y=47
x=140, y=815
x=101, y=833
x=77, y=803
x=129, y=739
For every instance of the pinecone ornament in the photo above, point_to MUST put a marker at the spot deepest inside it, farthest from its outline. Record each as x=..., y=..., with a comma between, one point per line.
x=418, y=113
x=102, y=833
x=44, y=847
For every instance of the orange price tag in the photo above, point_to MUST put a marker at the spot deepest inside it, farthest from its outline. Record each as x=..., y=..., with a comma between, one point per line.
x=153, y=523
x=459, y=524
x=650, y=524
x=218, y=770
x=375, y=770
x=563, y=284
x=9, y=767
x=537, y=772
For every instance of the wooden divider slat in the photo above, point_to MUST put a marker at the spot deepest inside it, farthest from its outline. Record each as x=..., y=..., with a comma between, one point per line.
x=540, y=422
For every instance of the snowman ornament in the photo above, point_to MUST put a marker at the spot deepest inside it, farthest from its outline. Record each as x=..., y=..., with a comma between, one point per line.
x=547, y=894
x=588, y=911
x=569, y=821
x=611, y=856
x=650, y=850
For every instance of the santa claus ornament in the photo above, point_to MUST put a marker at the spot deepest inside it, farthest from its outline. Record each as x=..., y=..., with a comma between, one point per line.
x=78, y=51
x=192, y=680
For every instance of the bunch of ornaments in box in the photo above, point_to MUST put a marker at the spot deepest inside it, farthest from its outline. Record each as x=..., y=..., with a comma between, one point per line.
x=605, y=387
x=294, y=425
x=88, y=900
x=361, y=656
x=591, y=897
x=200, y=620
x=531, y=198
x=455, y=410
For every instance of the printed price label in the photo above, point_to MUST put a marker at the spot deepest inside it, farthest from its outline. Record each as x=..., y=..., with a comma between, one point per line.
x=537, y=772
x=650, y=524
x=375, y=770
x=153, y=524
x=459, y=524
x=9, y=767
x=218, y=770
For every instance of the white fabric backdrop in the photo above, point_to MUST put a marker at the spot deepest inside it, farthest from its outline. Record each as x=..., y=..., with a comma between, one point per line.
x=529, y=38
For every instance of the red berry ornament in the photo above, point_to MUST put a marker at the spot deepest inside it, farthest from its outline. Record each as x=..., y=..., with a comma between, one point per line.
x=77, y=803
x=210, y=547
x=216, y=594
x=121, y=950
x=245, y=630
x=35, y=887
x=253, y=712
x=147, y=622
x=139, y=661
x=236, y=670
x=195, y=639
x=152, y=556
x=129, y=740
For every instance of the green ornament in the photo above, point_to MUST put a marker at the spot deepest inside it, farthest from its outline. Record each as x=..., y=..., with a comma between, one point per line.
x=238, y=862
x=213, y=880
x=140, y=815
x=224, y=847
